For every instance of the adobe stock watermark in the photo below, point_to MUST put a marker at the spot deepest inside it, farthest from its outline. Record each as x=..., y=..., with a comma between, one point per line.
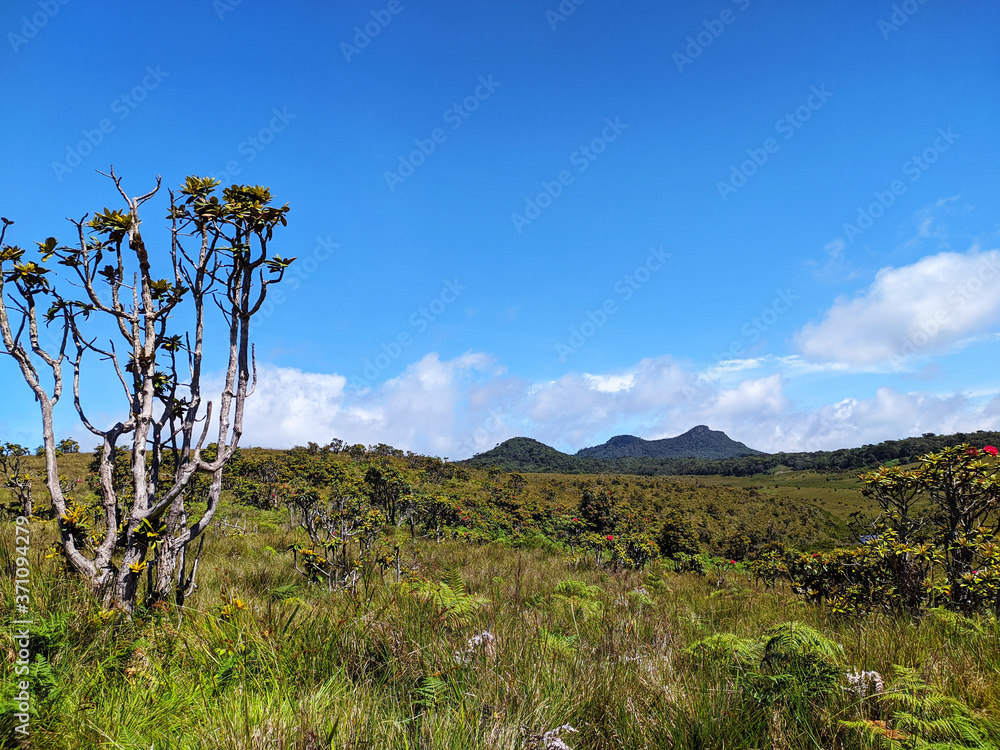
x=924, y=333
x=915, y=167
x=786, y=127
x=295, y=276
x=624, y=289
x=363, y=35
x=581, y=158
x=901, y=13
x=224, y=7
x=20, y=620
x=455, y=116
x=251, y=146
x=479, y=438
x=714, y=28
x=123, y=106
x=750, y=333
x=47, y=10
x=419, y=321
x=562, y=12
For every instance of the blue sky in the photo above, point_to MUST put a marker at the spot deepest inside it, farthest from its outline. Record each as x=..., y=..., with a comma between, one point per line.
x=584, y=219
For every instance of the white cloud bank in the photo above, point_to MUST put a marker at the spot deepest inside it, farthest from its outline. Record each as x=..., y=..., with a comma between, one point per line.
x=921, y=309
x=468, y=404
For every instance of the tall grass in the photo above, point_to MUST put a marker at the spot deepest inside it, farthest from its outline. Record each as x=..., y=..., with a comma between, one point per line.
x=301, y=667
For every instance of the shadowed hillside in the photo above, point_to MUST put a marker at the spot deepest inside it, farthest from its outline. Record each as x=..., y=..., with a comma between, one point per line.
x=698, y=442
x=525, y=454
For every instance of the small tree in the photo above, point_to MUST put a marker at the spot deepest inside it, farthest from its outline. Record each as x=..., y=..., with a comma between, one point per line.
x=217, y=256
x=961, y=488
x=388, y=490
x=335, y=520
x=964, y=491
x=893, y=533
x=677, y=536
x=16, y=478
x=68, y=445
x=600, y=509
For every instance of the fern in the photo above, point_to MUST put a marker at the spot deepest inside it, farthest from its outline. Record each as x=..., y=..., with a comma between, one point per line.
x=573, y=589
x=923, y=712
x=453, y=603
x=563, y=645
x=285, y=592
x=51, y=635
x=583, y=599
x=953, y=624
x=431, y=691
x=796, y=639
x=922, y=718
x=729, y=651
x=799, y=665
x=453, y=579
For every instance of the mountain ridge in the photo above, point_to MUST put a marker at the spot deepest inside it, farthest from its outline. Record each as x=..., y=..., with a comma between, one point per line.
x=528, y=455
x=699, y=442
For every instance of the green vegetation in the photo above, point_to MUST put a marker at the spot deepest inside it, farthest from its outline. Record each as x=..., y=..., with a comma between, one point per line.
x=525, y=454
x=521, y=611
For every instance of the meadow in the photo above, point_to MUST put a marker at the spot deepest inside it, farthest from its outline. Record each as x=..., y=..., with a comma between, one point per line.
x=507, y=639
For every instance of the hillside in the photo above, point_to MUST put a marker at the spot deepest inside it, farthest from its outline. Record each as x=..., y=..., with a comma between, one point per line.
x=526, y=454
x=513, y=455
x=698, y=442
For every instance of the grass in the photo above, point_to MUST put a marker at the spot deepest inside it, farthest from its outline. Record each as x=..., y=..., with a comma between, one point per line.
x=396, y=664
x=300, y=667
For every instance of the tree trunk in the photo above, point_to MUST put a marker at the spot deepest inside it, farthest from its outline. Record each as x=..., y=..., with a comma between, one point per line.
x=127, y=585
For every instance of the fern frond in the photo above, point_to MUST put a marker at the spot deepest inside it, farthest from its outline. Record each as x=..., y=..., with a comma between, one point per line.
x=431, y=690
x=453, y=579
x=454, y=606
x=931, y=718
x=728, y=650
x=799, y=639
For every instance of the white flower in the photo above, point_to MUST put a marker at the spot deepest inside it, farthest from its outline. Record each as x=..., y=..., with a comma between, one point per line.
x=485, y=642
x=860, y=682
x=550, y=740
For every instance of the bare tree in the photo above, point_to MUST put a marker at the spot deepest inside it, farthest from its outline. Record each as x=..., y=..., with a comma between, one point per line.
x=217, y=257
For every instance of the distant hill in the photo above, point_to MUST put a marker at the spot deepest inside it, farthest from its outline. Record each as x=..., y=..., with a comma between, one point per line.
x=527, y=455
x=698, y=442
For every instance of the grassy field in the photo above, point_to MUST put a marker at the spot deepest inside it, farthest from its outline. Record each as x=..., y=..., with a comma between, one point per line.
x=494, y=645
x=836, y=495
x=808, y=509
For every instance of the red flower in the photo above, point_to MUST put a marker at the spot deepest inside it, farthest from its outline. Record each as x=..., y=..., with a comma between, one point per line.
x=610, y=537
x=991, y=450
x=815, y=554
x=732, y=562
x=973, y=451
x=576, y=519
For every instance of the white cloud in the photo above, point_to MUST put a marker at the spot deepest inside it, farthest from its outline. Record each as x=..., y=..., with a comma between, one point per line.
x=925, y=308
x=726, y=367
x=751, y=398
x=609, y=383
x=469, y=404
x=420, y=409
x=887, y=415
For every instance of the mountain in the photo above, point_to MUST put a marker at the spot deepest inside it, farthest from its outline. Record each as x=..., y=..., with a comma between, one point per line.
x=527, y=455
x=698, y=442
